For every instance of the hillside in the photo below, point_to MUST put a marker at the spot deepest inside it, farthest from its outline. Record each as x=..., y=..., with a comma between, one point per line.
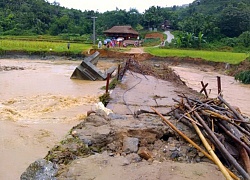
x=213, y=19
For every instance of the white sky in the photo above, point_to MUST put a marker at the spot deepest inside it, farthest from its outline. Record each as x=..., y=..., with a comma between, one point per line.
x=110, y=5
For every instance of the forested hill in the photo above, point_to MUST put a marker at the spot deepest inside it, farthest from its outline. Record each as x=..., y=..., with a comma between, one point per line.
x=19, y=17
x=212, y=18
x=232, y=16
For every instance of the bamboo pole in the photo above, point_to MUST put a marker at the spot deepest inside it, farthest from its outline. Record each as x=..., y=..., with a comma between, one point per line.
x=191, y=142
x=220, y=146
x=211, y=152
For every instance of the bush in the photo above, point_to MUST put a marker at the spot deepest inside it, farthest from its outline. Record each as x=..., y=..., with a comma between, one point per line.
x=244, y=38
x=243, y=77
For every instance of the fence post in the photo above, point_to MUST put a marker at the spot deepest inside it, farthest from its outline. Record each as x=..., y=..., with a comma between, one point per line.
x=219, y=84
x=107, y=83
x=118, y=73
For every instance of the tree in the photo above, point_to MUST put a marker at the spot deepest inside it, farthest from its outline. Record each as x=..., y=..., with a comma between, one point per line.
x=244, y=39
x=234, y=21
x=153, y=17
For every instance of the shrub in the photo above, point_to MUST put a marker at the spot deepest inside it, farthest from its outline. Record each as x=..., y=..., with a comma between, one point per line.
x=243, y=76
x=244, y=38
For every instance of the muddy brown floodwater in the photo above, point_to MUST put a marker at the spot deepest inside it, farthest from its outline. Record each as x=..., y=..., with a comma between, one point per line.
x=38, y=106
x=234, y=92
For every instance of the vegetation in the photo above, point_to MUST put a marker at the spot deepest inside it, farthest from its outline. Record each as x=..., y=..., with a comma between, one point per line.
x=221, y=25
x=105, y=98
x=42, y=46
x=214, y=19
x=243, y=77
x=216, y=56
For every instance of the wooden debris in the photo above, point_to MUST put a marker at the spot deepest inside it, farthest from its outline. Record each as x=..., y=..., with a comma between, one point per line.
x=191, y=142
x=224, y=126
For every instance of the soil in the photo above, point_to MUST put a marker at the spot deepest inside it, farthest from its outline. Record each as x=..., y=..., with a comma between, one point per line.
x=155, y=35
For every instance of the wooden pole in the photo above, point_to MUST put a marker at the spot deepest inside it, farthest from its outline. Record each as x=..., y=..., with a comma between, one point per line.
x=232, y=109
x=211, y=152
x=190, y=141
x=204, y=88
x=219, y=84
x=220, y=146
x=118, y=73
x=107, y=83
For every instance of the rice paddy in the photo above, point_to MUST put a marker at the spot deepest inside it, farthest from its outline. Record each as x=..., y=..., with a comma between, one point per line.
x=216, y=56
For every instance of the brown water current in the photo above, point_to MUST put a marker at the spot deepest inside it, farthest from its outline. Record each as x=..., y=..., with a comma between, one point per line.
x=234, y=92
x=38, y=106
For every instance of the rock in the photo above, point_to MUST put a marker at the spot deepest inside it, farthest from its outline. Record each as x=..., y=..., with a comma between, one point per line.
x=145, y=153
x=125, y=162
x=200, y=154
x=133, y=158
x=175, y=155
x=130, y=145
x=40, y=170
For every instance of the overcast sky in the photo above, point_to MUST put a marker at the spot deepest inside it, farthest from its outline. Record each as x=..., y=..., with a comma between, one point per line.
x=110, y=5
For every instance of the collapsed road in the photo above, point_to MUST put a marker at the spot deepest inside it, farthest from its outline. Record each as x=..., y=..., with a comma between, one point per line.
x=126, y=138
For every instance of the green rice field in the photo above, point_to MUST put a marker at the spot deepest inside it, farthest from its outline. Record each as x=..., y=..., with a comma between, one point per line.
x=216, y=56
x=42, y=46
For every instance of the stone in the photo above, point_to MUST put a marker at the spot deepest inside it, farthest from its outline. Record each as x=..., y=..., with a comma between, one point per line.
x=200, y=154
x=133, y=158
x=144, y=153
x=40, y=170
x=174, y=155
x=130, y=145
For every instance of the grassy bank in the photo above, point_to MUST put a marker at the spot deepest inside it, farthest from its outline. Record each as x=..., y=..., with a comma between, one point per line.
x=42, y=46
x=229, y=57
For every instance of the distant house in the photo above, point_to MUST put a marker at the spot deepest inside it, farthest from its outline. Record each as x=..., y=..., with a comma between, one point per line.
x=127, y=32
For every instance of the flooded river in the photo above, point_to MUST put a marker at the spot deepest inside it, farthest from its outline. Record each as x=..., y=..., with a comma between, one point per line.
x=38, y=106
x=234, y=92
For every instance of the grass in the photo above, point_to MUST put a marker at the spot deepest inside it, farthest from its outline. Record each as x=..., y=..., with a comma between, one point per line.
x=42, y=46
x=216, y=56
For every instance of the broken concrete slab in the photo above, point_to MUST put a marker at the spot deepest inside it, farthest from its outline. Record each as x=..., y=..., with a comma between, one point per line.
x=88, y=71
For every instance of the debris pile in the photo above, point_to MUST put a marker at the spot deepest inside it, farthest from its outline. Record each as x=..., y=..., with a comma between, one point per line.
x=160, y=71
x=222, y=129
x=10, y=68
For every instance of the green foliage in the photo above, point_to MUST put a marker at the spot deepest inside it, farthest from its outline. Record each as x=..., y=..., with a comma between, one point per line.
x=203, y=23
x=243, y=77
x=228, y=57
x=151, y=41
x=244, y=39
x=188, y=40
x=105, y=98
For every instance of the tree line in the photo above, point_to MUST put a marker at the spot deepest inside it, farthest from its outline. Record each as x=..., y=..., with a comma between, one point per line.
x=227, y=21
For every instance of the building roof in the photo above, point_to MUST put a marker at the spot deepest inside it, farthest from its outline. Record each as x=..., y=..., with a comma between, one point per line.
x=122, y=29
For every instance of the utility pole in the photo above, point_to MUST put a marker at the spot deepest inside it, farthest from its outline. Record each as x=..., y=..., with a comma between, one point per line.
x=93, y=29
